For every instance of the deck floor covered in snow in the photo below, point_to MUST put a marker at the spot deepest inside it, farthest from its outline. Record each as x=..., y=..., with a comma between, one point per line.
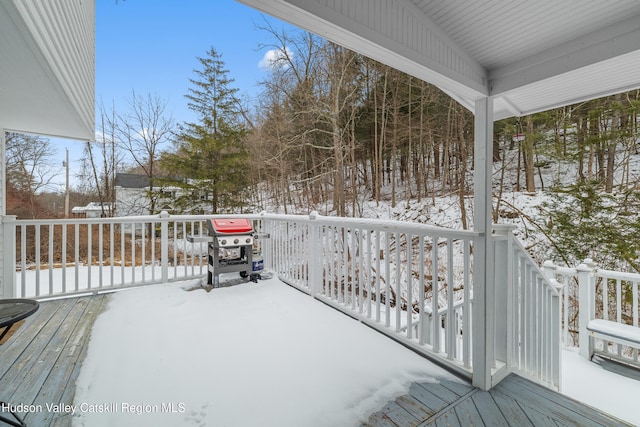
x=40, y=362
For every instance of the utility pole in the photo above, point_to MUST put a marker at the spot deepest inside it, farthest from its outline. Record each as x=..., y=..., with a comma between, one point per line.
x=66, y=193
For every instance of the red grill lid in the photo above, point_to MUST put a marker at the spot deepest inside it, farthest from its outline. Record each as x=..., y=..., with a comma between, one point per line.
x=239, y=225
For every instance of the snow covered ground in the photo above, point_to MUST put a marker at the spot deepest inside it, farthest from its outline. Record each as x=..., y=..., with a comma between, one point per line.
x=252, y=354
x=265, y=354
x=588, y=382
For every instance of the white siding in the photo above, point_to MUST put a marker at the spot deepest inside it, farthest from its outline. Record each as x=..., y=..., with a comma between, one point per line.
x=47, y=67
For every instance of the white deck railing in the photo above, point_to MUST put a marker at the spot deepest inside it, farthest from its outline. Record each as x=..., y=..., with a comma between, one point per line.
x=75, y=256
x=594, y=293
x=410, y=281
x=390, y=275
x=528, y=336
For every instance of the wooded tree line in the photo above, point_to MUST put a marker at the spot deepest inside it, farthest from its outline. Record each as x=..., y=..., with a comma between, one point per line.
x=334, y=126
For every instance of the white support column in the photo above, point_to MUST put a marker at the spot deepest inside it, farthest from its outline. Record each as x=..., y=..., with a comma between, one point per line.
x=3, y=173
x=3, y=213
x=483, y=259
x=8, y=260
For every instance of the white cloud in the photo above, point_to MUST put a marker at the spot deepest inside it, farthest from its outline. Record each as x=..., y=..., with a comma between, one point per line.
x=274, y=59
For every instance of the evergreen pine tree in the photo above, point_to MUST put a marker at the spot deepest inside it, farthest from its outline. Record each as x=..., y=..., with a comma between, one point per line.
x=211, y=161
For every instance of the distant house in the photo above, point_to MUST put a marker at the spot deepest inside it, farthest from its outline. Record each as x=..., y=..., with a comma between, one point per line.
x=133, y=196
x=92, y=210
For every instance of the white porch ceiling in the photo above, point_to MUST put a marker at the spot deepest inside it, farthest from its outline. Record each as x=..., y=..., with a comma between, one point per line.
x=47, y=67
x=529, y=55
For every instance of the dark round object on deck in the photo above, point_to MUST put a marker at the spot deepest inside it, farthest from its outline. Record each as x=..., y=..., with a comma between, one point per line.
x=14, y=310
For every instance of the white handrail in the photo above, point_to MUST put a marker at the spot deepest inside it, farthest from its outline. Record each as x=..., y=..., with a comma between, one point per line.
x=382, y=272
x=596, y=293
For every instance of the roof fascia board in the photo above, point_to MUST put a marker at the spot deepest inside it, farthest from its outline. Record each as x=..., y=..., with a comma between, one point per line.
x=440, y=62
x=568, y=101
x=613, y=41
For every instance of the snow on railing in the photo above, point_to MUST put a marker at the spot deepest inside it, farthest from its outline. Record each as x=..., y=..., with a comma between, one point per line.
x=60, y=257
x=528, y=337
x=595, y=293
x=390, y=275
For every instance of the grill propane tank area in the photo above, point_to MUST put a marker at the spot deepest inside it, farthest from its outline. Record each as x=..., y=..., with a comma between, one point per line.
x=231, y=249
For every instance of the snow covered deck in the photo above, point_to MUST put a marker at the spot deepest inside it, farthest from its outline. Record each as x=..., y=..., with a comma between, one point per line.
x=233, y=356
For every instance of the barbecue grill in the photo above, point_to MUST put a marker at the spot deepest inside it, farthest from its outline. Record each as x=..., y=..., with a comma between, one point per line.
x=230, y=248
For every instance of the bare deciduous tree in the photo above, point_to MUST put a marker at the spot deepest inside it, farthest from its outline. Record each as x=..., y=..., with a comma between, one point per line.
x=143, y=131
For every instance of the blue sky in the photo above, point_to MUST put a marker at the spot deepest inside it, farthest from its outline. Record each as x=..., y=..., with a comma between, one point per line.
x=152, y=47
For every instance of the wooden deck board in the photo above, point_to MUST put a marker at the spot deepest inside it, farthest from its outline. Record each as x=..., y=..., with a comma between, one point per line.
x=457, y=387
x=67, y=366
x=399, y=415
x=449, y=419
x=414, y=407
x=441, y=391
x=559, y=406
x=16, y=377
x=468, y=413
x=432, y=402
x=61, y=329
x=39, y=364
x=512, y=412
x=14, y=347
x=489, y=410
x=514, y=402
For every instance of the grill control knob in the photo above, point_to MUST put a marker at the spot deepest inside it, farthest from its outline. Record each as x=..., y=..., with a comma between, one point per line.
x=248, y=240
x=236, y=241
x=223, y=242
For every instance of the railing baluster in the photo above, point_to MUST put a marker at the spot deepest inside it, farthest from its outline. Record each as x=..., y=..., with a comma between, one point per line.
x=352, y=280
x=619, y=309
x=409, y=313
x=89, y=245
x=134, y=231
x=76, y=257
x=450, y=332
x=112, y=254
x=466, y=314
x=340, y=297
x=367, y=272
x=50, y=256
x=23, y=260
x=387, y=279
x=123, y=255
x=361, y=287
x=143, y=250
x=435, y=297
x=634, y=296
x=37, y=243
x=398, y=284
x=100, y=254
x=421, y=293
x=64, y=258
x=377, y=275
